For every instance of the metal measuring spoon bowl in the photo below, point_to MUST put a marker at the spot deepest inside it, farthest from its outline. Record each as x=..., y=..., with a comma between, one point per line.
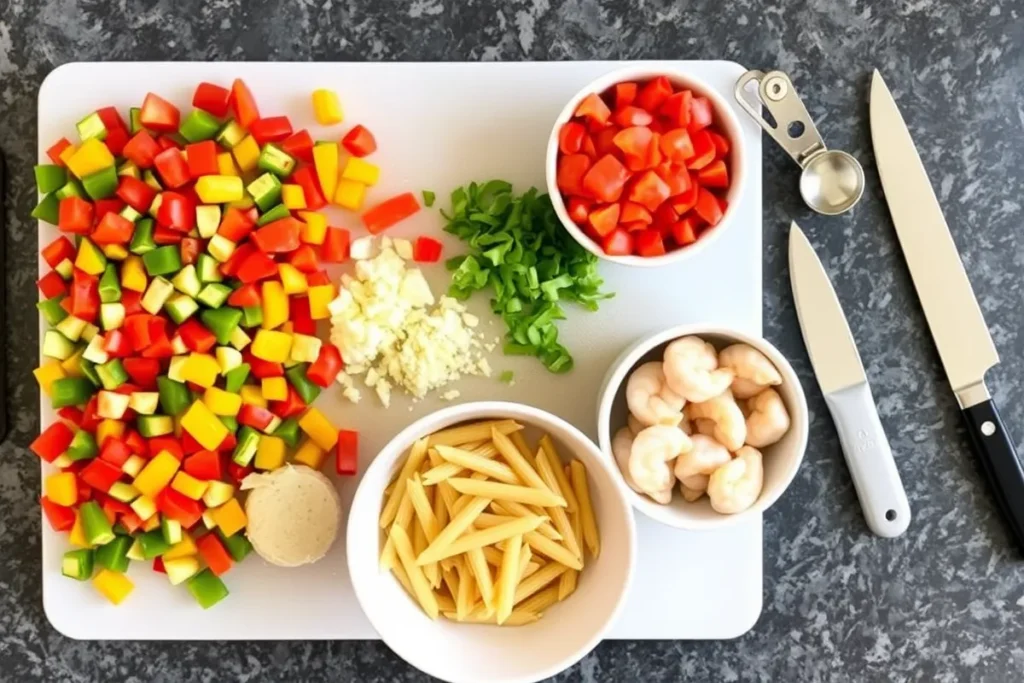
x=832, y=181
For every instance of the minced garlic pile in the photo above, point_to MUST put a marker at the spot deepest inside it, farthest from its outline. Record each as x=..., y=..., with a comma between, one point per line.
x=390, y=330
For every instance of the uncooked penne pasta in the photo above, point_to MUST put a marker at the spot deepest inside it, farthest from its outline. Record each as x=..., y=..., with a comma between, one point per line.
x=548, y=446
x=519, y=441
x=545, y=546
x=508, y=578
x=517, y=618
x=402, y=519
x=559, y=516
x=493, y=556
x=457, y=525
x=403, y=578
x=498, y=471
x=582, y=491
x=524, y=561
x=519, y=510
x=464, y=596
x=412, y=464
x=480, y=539
x=427, y=528
x=445, y=603
x=486, y=520
x=496, y=491
x=477, y=431
x=420, y=586
x=518, y=462
x=540, y=601
x=482, y=574
x=541, y=578
x=567, y=584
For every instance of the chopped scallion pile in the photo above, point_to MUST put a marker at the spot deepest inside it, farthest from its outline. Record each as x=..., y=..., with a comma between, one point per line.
x=519, y=250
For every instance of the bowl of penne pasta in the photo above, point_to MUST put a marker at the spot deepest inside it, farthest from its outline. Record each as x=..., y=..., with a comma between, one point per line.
x=491, y=541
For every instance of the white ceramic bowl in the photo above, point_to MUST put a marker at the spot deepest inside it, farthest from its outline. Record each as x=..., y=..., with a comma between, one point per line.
x=725, y=118
x=781, y=460
x=472, y=653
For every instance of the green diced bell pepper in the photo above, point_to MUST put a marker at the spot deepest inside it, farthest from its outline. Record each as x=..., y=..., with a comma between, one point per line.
x=162, y=260
x=199, y=125
x=174, y=396
x=207, y=588
x=78, y=564
x=114, y=555
x=95, y=525
x=71, y=391
x=101, y=184
x=50, y=178
x=303, y=387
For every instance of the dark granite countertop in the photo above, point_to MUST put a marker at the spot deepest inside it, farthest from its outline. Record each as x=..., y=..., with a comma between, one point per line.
x=945, y=602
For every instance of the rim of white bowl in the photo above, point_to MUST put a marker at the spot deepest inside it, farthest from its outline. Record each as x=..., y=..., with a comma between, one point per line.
x=670, y=515
x=724, y=114
x=537, y=418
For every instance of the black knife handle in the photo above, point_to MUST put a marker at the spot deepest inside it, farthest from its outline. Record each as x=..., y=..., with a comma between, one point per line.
x=992, y=445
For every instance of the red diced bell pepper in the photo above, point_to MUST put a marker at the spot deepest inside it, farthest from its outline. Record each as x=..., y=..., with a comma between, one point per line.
x=300, y=146
x=426, y=250
x=714, y=175
x=243, y=104
x=142, y=149
x=75, y=215
x=707, y=207
x=178, y=506
x=202, y=158
x=704, y=150
x=278, y=236
x=649, y=190
x=172, y=445
x=389, y=212
x=53, y=441
x=116, y=344
x=570, y=137
x=701, y=114
x=654, y=93
x=56, y=149
x=236, y=224
x=305, y=178
x=176, y=211
x=160, y=115
x=270, y=129
x=255, y=416
x=205, y=465
x=196, y=337
x=605, y=179
x=100, y=474
x=214, y=554
x=291, y=406
x=51, y=285
x=115, y=141
x=593, y=109
x=135, y=193
x=326, y=367
x=625, y=94
x=618, y=242
x=85, y=296
x=301, y=317
x=347, y=452
x=211, y=98
x=113, y=228
x=304, y=259
x=60, y=518
x=649, y=243
x=172, y=168
x=237, y=258
x=604, y=219
x=115, y=451
x=359, y=142
x=256, y=266
x=571, y=171
x=58, y=250
x=632, y=116
x=142, y=371
x=335, y=246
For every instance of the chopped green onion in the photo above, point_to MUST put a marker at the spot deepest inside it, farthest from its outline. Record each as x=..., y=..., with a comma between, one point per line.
x=428, y=198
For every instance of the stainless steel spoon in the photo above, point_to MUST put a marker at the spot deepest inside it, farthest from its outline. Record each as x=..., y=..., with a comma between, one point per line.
x=832, y=181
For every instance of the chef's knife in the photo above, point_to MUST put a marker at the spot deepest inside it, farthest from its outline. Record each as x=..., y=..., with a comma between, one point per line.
x=847, y=393
x=954, y=317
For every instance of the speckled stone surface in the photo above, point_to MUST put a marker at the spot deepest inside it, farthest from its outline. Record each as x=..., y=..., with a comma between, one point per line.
x=943, y=603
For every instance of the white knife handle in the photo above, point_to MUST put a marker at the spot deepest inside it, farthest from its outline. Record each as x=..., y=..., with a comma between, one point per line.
x=870, y=460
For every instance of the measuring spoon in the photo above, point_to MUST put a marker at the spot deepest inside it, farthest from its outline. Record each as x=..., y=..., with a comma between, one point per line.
x=832, y=181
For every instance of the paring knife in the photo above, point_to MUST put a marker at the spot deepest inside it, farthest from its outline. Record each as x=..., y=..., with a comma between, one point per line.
x=847, y=393
x=954, y=317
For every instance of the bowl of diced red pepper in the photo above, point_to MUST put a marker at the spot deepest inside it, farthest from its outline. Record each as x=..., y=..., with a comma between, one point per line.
x=645, y=167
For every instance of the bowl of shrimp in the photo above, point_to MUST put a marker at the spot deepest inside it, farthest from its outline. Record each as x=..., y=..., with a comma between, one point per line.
x=707, y=425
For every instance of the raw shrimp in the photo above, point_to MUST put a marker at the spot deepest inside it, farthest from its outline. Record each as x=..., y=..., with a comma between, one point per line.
x=768, y=420
x=649, y=398
x=730, y=428
x=651, y=457
x=736, y=485
x=691, y=369
x=635, y=425
x=706, y=456
x=753, y=370
x=621, y=446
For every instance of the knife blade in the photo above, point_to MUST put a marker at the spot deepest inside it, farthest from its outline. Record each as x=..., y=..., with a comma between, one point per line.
x=844, y=384
x=951, y=309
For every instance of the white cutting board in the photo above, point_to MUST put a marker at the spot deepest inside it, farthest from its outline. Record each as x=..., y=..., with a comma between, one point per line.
x=439, y=126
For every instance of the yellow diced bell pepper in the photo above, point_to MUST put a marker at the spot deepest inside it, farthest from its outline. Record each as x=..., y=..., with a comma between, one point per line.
x=325, y=160
x=133, y=465
x=133, y=274
x=222, y=402
x=361, y=171
x=310, y=455
x=270, y=453
x=90, y=258
x=115, y=252
x=292, y=196
x=319, y=429
x=217, y=493
x=152, y=523
x=113, y=586
x=201, y=369
x=77, y=535
x=293, y=280
x=230, y=517
x=226, y=164
x=274, y=388
x=144, y=507
x=247, y=153
x=187, y=485
x=219, y=189
x=186, y=547
x=48, y=373
x=157, y=474
x=326, y=107
x=350, y=194
x=90, y=157
x=107, y=429
x=72, y=365
x=68, y=152
x=204, y=426
x=275, y=304
x=305, y=348
x=61, y=488
x=315, y=227
x=252, y=396
x=271, y=346
x=319, y=297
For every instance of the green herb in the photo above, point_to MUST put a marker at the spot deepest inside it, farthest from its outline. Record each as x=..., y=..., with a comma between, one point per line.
x=507, y=377
x=428, y=198
x=519, y=249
